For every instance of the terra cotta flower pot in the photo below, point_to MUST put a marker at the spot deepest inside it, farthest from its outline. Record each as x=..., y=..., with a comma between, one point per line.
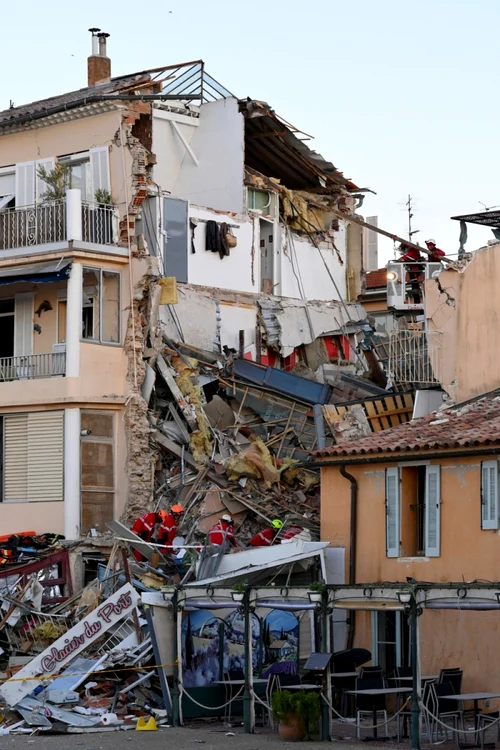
x=293, y=730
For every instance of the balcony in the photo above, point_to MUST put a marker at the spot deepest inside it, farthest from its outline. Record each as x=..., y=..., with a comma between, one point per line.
x=415, y=357
x=56, y=222
x=32, y=366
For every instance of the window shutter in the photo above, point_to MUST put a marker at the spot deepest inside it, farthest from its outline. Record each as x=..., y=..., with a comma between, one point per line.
x=16, y=458
x=392, y=505
x=23, y=324
x=46, y=456
x=40, y=185
x=489, y=495
x=34, y=452
x=432, y=512
x=25, y=184
x=99, y=164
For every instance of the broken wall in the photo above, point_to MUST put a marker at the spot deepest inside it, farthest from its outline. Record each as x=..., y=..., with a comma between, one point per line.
x=218, y=145
x=463, y=310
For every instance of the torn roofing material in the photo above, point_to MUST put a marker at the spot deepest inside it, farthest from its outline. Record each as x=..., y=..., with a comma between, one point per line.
x=304, y=390
x=376, y=279
x=473, y=423
x=272, y=148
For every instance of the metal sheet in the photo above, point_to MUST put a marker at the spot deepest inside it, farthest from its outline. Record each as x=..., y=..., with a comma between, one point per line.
x=308, y=391
x=175, y=220
x=123, y=532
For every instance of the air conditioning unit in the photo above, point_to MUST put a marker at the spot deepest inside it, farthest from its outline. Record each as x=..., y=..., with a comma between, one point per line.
x=59, y=348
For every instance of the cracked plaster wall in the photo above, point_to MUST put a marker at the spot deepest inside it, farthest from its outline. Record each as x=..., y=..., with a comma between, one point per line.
x=464, y=307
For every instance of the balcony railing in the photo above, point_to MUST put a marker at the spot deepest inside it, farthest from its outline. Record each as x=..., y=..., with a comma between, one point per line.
x=415, y=357
x=45, y=223
x=31, y=366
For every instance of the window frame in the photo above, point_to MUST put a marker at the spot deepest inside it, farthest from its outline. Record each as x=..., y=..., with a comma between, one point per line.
x=487, y=524
x=99, y=339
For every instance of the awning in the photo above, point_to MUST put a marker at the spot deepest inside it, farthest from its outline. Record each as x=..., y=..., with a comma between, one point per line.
x=367, y=604
x=41, y=273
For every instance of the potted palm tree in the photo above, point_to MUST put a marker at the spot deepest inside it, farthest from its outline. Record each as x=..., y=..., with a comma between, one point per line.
x=296, y=712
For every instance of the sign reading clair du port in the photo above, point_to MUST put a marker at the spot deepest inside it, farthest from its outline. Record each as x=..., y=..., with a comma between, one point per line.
x=80, y=637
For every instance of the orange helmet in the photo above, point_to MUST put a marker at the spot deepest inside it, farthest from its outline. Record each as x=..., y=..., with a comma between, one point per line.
x=162, y=514
x=177, y=508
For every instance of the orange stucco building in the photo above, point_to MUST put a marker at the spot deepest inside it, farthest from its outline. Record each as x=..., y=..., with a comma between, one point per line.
x=426, y=507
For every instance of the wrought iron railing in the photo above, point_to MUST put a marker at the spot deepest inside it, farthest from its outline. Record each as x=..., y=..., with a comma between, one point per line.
x=46, y=222
x=98, y=222
x=414, y=357
x=31, y=366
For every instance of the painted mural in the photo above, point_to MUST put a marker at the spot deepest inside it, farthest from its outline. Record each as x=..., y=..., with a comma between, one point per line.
x=275, y=641
x=280, y=638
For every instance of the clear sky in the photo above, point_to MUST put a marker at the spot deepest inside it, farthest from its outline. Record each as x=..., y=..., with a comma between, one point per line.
x=401, y=95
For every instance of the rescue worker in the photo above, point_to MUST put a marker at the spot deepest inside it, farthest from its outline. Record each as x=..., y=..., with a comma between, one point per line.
x=435, y=254
x=169, y=524
x=267, y=536
x=144, y=527
x=412, y=255
x=222, y=531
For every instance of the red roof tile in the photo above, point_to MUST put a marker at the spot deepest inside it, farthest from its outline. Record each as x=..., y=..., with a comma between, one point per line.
x=375, y=279
x=469, y=424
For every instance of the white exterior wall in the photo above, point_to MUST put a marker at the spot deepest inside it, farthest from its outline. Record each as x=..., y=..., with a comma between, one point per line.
x=233, y=271
x=310, y=268
x=217, y=141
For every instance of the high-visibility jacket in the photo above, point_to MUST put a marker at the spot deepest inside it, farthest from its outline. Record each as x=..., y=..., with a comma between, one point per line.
x=291, y=532
x=264, y=538
x=144, y=526
x=168, y=530
x=221, y=531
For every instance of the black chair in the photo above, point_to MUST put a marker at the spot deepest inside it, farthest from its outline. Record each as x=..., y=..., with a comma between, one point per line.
x=444, y=708
x=365, y=705
x=282, y=680
x=485, y=720
x=235, y=674
x=370, y=673
x=454, y=677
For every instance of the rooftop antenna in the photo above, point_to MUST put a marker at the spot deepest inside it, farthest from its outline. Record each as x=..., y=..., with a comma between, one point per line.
x=410, y=208
x=488, y=208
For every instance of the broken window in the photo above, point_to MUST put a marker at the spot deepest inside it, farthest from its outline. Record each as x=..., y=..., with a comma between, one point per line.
x=101, y=306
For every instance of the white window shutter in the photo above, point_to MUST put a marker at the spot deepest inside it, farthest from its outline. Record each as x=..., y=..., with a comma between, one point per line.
x=25, y=184
x=23, y=324
x=99, y=165
x=46, y=456
x=392, y=512
x=40, y=185
x=489, y=495
x=16, y=458
x=432, y=512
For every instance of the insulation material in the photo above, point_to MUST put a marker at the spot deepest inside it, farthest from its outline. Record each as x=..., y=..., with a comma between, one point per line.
x=255, y=462
x=201, y=442
x=168, y=295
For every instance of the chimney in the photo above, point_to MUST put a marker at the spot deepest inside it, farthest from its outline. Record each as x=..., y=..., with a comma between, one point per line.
x=98, y=64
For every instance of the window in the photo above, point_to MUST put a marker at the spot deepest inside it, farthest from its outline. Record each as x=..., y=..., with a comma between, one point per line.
x=33, y=457
x=97, y=461
x=413, y=506
x=80, y=177
x=390, y=640
x=89, y=171
x=260, y=200
x=101, y=306
x=489, y=495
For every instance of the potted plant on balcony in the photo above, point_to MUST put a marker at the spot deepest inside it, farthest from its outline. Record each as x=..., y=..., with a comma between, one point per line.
x=296, y=712
x=102, y=218
x=51, y=216
x=315, y=591
x=238, y=592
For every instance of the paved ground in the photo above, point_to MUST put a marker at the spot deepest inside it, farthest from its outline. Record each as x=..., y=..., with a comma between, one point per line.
x=212, y=737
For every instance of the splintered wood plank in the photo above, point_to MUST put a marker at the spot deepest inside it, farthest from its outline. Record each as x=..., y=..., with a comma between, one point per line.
x=372, y=416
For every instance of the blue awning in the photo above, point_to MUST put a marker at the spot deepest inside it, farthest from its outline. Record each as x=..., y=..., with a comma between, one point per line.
x=41, y=273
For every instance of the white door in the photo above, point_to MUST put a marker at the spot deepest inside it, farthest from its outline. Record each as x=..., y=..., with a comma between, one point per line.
x=23, y=324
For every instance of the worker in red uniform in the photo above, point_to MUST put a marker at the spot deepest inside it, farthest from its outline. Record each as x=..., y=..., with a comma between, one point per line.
x=291, y=532
x=435, y=254
x=145, y=527
x=414, y=270
x=169, y=524
x=222, y=531
x=267, y=536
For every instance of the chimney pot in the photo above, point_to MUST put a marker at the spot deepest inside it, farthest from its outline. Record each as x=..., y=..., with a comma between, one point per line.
x=98, y=64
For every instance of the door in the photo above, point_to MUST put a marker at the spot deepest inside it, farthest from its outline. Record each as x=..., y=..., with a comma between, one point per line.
x=266, y=257
x=175, y=222
x=23, y=325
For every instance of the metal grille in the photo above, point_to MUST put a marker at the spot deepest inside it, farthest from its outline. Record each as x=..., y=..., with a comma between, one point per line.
x=97, y=223
x=33, y=225
x=31, y=366
x=415, y=357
